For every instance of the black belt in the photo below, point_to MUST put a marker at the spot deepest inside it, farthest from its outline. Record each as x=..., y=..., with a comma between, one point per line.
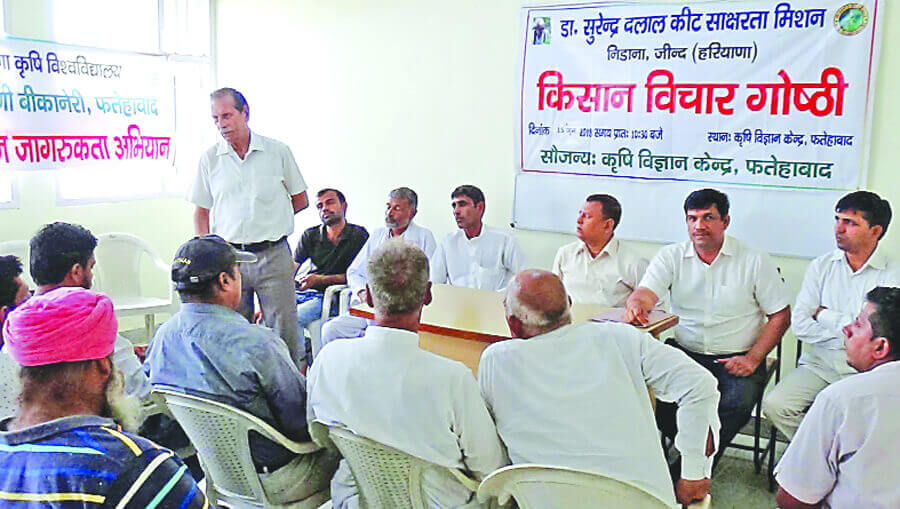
x=255, y=247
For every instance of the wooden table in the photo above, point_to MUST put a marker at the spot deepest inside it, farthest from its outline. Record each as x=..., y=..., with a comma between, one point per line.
x=461, y=322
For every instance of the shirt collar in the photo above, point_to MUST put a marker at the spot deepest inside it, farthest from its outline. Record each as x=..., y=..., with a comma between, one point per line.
x=223, y=147
x=729, y=248
x=409, y=229
x=392, y=336
x=204, y=308
x=611, y=248
x=50, y=428
x=877, y=260
x=323, y=233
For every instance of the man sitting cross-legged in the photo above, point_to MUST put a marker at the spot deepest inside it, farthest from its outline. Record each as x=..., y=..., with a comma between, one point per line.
x=208, y=349
x=576, y=395
x=63, y=448
x=384, y=387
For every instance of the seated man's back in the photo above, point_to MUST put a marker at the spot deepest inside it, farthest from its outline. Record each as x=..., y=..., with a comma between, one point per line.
x=577, y=397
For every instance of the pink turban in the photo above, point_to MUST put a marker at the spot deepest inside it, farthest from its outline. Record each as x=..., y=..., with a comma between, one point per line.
x=64, y=325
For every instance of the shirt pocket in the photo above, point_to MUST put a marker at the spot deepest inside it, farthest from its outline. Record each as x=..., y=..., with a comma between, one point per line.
x=268, y=188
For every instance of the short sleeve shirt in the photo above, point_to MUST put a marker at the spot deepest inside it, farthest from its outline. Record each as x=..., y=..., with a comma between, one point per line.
x=250, y=199
x=328, y=258
x=846, y=452
x=722, y=306
x=607, y=279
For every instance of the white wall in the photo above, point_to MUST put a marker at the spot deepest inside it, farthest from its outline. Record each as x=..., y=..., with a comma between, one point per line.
x=374, y=95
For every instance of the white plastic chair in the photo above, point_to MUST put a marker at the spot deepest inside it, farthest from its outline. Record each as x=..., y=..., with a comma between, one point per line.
x=549, y=487
x=315, y=327
x=118, y=275
x=9, y=386
x=20, y=249
x=387, y=478
x=221, y=435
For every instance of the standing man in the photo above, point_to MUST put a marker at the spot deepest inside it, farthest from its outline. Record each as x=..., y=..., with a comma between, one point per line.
x=331, y=247
x=598, y=268
x=385, y=388
x=845, y=450
x=834, y=285
x=475, y=256
x=732, y=306
x=402, y=205
x=253, y=187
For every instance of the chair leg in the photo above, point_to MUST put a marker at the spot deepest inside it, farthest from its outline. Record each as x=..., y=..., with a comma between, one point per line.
x=757, y=428
x=770, y=468
x=150, y=325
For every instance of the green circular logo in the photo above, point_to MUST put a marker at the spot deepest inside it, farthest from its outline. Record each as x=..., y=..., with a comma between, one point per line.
x=851, y=19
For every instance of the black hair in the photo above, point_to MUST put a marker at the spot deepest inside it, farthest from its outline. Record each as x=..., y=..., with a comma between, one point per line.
x=886, y=318
x=10, y=269
x=56, y=248
x=469, y=191
x=612, y=209
x=874, y=209
x=705, y=198
x=204, y=290
x=339, y=194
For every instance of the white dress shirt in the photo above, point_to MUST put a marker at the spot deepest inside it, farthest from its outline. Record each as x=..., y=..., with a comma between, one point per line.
x=358, y=272
x=487, y=262
x=846, y=451
x=384, y=387
x=830, y=282
x=607, y=279
x=250, y=199
x=721, y=307
x=577, y=397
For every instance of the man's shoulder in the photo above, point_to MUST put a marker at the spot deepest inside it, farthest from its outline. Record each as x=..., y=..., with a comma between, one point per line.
x=878, y=380
x=357, y=229
x=270, y=143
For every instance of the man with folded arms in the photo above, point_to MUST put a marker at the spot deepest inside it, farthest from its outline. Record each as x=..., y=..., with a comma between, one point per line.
x=252, y=187
x=384, y=387
x=846, y=453
x=576, y=395
x=402, y=206
x=731, y=303
x=209, y=350
x=598, y=268
x=476, y=255
x=834, y=285
x=64, y=446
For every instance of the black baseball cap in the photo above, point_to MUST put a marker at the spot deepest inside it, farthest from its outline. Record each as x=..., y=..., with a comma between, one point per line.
x=204, y=258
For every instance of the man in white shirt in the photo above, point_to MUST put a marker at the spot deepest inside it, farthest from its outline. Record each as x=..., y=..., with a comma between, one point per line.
x=402, y=205
x=13, y=292
x=598, y=268
x=475, y=256
x=384, y=387
x=834, y=285
x=253, y=188
x=553, y=392
x=732, y=305
x=846, y=453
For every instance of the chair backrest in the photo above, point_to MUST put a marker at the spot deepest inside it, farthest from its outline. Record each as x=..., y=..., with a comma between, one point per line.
x=547, y=487
x=9, y=386
x=118, y=269
x=22, y=251
x=387, y=478
x=220, y=435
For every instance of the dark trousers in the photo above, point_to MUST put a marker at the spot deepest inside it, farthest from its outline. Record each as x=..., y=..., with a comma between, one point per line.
x=738, y=396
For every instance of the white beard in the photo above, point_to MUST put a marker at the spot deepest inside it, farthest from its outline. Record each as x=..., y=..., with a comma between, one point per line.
x=125, y=408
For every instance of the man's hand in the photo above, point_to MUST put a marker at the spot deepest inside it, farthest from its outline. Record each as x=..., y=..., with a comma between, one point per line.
x=362, y=294
x=688, y=492
x=638, y=306
x=816, y=314
x=740, y=365
x=309, y=281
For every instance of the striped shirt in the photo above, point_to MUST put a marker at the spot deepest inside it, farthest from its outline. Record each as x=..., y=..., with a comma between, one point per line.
x=86, y=461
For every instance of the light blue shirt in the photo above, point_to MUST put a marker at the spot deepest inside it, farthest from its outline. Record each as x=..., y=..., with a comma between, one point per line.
x=211, y=351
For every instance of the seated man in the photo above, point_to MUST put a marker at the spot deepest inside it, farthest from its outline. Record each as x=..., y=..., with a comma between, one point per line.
x=576, y=395
x=384, y=387
x=845, y=453
x=210, y=350
x=13, y=292
x=598, y=268
x=731, y=303
x=402, y=205
x=475, y=256
x=62, y=255
x=834, y=285
x=331, y=247
x=63, y=447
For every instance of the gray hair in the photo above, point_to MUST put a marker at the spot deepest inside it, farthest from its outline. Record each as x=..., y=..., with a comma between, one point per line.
x=536, y=320
x=398, y=277
x=407, y=194
x=239, y=100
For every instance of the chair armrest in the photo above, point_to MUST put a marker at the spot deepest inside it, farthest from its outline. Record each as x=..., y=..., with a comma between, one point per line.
x=465, y=480
x=344, y=301
x=327, y=298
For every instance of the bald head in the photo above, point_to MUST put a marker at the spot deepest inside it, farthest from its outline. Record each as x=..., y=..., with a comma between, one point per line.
x=536, y=302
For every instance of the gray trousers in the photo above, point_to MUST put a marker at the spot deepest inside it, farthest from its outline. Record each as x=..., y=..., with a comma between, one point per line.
x=271, y=278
